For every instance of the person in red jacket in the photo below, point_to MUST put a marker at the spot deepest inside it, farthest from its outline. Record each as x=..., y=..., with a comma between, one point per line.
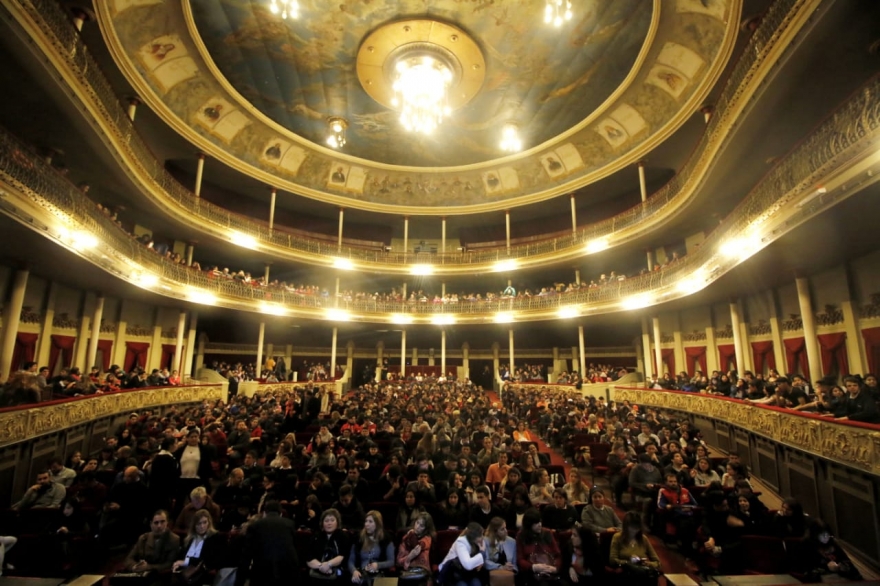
x=676, y=507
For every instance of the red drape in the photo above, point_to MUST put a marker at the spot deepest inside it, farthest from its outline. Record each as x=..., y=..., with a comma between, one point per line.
x=872, y=348
x=135, y=355
x=796, y=356
x=667, y=355
x=695, y=355
x=726, y=357
x=834, y=359
x=167, y=356
x=105, y=349
x=25, y=348
x=61, y=346
x=764, y=359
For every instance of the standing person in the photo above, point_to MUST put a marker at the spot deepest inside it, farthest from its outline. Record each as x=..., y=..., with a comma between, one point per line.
x=269, y=557
x=329, y=550
x=195, y=465
x=463, y=564
x=631, y=550
x=538, y=556
x=413, y=555
x=372, y=553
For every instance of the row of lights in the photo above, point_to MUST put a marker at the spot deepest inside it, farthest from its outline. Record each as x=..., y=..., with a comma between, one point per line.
x=337, y=126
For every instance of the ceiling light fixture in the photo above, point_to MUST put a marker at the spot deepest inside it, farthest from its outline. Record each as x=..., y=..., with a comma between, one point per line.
x=557, y=11
x=338, y=315
x=203, y=297
x=569, y=312
x=597, y=245
x=243, y=240
x=636, y=302
x=503, y=266
x=401, y=319
x=420, y=91
x=510, y=141
x=285, y=7
x=336, y=139
x=343, y=264
x=442, y=320
x=503, y=317
x=421, y=269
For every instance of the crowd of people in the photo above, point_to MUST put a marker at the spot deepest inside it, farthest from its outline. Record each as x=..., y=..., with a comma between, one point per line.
x=857, y=399
x=422, y=480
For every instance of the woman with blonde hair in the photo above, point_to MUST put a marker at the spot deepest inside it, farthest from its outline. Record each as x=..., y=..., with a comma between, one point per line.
x=499, y=553
x=372, y=553
x=203, y=550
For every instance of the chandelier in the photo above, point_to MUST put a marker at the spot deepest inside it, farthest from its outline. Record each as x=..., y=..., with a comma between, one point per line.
x=557, y=11
x=285, y=7
x=510, y=140
x=336, y=138
x=420, y=92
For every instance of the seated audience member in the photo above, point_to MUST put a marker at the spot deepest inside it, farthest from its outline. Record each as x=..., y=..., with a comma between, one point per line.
x=372, y=551
x=859, y=405
x=499, y=551
x=329, y=550
x=826, y=561
x=722, y=538
x=410, y=507
x=498, y=471
x=463, y=564
x=511, y=482
x=349, y=509
x=199, y=500
x=455, y=512
x=791, y=520
x=620, y=464
x=44, y=493
x=538, y=556
x=581, y=557
x=232, y=491
x=517, y=508
x=578, y=492
x=678, y=506
x=560, y=516
x=423, y=489
x=744, y=518
x=414, y=552
x=735, y=472
x=599, y=517
x=483, y=511
x=541, y=492
x=703, y=474
x=126, y=509
x=201, y=546
x=631, y=551
x=61, y=474
x=270, y=556
x=154, y=551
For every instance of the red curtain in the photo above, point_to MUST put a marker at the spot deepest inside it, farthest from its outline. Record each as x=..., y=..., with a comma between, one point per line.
x=135, y=355
x=763, y=355
x=105, y=348
x=796, y=356
x=61, y=346
x=872, y=348
x=167, y=356
x=667, y=355
x=25, y=348
x=726, y=357
x=834, y=359
x=695, y=355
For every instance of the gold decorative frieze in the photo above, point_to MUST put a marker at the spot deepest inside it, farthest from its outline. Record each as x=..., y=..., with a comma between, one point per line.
x=857, y=447
x=24, y=424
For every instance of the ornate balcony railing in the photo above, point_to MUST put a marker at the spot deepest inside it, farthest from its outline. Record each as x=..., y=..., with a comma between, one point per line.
x=50, y=22
x=845, y=134
x=29, y=421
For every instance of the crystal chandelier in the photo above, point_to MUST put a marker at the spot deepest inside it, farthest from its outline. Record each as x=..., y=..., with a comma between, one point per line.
x=420, y=92
x=285, y=7
x=337, y=125
x=557, y=11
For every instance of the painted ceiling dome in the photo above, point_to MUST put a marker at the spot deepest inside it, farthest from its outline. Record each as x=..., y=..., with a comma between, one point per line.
x=588, y=97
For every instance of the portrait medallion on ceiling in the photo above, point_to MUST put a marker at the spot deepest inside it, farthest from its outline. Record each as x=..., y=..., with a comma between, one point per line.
x=256, y=91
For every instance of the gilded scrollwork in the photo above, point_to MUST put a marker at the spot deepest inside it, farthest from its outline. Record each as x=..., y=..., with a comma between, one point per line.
x=24, y=424
x=798, y=431
x=848, y=445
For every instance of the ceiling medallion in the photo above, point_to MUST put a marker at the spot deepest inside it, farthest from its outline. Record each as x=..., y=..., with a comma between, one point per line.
x=422, y=68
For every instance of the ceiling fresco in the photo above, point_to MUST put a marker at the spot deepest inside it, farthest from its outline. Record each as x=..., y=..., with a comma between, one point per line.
x=300, y=72
x=592, y=97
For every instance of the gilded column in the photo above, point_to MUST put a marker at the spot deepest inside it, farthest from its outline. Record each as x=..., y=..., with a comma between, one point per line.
x=496, y=361
x=443, y=352
x=261, y=339
x=402, y=353
x=200, y=171
x=272, y=197
x=339, y=237
x=574, y=223
x=711, y=350
x=583, y=350
x=11, y=316
x=646, y=348
x=46, y=327
x=190, y=348
x=178, y=345
x=155, y=360
x=678, y=346
x=854, y=354
x=658, y=353
x=200, y=357
x=810, y=340
x=333, y=343
x=643, y=186
x=512, y=363
x=737, y=338
x=92, y=356
x=466, y=360
x=349, y=359
x=776, y=333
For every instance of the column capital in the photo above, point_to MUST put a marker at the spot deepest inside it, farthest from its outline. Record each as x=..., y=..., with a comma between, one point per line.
x=273, y=190
x=641, y=163
x=134, y=100
x=707, y=109
x=341, y=209
x=201, y=156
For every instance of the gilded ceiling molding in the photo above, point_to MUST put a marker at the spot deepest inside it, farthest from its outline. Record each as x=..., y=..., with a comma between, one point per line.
x=780, y=25
x=856, y=447
x=684, y=54
x=24, y=424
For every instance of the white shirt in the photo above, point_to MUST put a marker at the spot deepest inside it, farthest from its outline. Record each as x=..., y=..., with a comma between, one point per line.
x=189, y=462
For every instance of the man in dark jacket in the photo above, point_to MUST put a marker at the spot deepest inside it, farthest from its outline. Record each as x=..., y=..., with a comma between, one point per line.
x=269, y=557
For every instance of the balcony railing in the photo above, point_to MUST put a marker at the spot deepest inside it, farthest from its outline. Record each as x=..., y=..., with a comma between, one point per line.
x=843, y=136
x=745, y=77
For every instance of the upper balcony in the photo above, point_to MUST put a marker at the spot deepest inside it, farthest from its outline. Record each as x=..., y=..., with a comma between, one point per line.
x=838, y=159
x=66, y=52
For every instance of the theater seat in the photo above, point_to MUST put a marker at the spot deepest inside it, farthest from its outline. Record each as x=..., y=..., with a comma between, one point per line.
x=441, y=546
x=764, y=555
